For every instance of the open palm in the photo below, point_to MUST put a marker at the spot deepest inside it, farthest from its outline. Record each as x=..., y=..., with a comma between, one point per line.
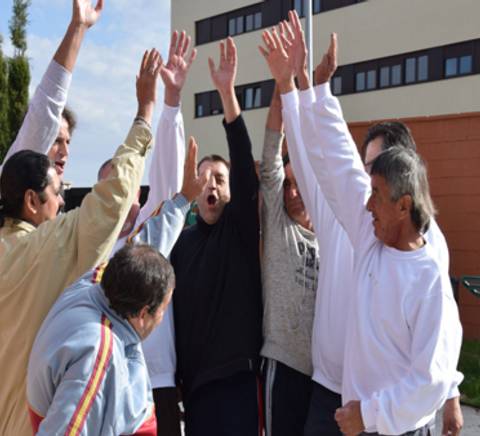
x=84, y=13
x=174, y=73
x=223, y=77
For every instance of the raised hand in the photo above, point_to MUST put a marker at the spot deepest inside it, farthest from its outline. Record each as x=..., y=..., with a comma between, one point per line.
x=292, y=31
x=223, y=77
x=327, y=67
x=85, y=14
x=275, y=53
x=147, y=84
x=174, y=73
x=193, y=185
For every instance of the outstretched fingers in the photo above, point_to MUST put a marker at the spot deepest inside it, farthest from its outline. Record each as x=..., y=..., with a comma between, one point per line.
x=231, y=51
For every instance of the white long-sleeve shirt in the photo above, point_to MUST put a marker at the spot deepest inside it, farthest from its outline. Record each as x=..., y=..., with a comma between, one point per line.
x=334, y=288
x=165, y=179
x=403, y=331
x=42, y=121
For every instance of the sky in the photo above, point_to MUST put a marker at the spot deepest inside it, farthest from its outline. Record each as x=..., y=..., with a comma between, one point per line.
x=102, y=93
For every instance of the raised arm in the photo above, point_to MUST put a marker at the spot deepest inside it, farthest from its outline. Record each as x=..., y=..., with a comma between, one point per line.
x=166, y=168
x=42, y=121
x=243, y=177
x=223, y=78
x=163, y=228
x=272, y=173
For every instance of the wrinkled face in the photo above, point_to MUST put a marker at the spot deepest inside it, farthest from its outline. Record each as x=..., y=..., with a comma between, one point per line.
x=58, y=152
x=292, y=198
x=150, y=321
x=216, y=194
x=134, y=209
x=385, y=212
x=49, y=209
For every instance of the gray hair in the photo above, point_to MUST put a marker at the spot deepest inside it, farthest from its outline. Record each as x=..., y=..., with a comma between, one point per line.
x=406, y=174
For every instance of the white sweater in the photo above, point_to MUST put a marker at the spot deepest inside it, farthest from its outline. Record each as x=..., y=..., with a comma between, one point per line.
x=403, y=331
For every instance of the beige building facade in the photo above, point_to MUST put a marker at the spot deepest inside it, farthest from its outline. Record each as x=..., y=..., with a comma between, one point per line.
x=415, y=60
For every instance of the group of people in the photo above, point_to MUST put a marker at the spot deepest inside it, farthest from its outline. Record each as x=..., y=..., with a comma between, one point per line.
x=310, y=298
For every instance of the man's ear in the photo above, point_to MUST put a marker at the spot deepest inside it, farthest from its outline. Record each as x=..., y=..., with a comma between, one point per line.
x=405, y=204
x=30, y=202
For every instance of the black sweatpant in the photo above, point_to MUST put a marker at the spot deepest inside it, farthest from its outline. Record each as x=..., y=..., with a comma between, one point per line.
x=225, y=407
x=166, y=411
x=321, y=413
x=287, y=395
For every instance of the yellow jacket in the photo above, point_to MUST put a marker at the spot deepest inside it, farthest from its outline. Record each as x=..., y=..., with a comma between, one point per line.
x=37, y=264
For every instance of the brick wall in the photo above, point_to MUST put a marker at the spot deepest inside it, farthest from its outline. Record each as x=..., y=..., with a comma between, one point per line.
x=451, y=147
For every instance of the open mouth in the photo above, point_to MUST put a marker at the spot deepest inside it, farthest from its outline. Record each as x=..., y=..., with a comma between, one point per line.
x=212, y=200
x=59, y=166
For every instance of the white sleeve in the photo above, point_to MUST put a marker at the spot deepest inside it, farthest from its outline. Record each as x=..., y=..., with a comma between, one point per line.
x=436, y=341
x=337, y=164
x=165, y=176
x=42, y=121
x=296, y=151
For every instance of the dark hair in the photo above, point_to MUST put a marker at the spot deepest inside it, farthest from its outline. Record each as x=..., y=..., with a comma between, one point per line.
x=70, y=118
x=393, y=133
x=406, y=174
x=102, y=167
x=137, y=276
x=213, y=158
x=24, y=170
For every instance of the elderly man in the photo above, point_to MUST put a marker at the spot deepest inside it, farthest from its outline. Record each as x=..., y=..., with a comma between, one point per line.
x=406, y=400
x=42, y=253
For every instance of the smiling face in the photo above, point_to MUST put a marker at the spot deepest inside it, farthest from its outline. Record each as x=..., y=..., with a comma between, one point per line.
x=216, y=194
x=58, y=152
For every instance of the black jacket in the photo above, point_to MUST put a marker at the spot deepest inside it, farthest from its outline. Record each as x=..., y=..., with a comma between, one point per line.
x=217, y=299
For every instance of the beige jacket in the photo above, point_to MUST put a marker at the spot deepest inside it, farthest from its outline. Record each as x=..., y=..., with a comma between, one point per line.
x=37, y=264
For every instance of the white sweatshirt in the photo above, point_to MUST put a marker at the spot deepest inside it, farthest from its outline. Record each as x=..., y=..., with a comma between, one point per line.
x=403, y=331
x=334, y=288
x=165, y=179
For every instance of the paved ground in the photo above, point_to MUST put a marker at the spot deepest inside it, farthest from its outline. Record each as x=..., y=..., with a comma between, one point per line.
x=471, y=419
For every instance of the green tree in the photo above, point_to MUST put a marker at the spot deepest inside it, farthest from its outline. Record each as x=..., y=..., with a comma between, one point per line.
x=18, y=26
x=4, y=123
x=18, y=68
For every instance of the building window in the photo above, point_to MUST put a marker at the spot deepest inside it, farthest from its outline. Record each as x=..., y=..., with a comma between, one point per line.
x=252, y=97
x=199, y=111
x=317, y=6
x=372, y=79
x=239, y=28
x=384, y=77
x=396, y=75
x=416, y=69
x=298, y=6
x=337, y=85
x=410, y=70
x=422, y=68
x=360, y=82
x=466, y=64
x=458, y=65
x=232, y=26
x=258, y=20
x=249, y=23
